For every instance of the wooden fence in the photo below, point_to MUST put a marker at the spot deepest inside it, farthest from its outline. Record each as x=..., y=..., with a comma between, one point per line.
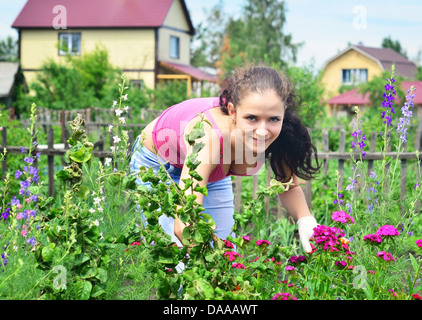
x=99, y=119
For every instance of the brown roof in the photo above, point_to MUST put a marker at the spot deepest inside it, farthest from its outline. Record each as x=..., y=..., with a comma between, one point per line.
x=387, y=57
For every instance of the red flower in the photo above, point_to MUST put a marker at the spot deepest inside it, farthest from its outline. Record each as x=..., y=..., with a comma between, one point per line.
x=417, y=296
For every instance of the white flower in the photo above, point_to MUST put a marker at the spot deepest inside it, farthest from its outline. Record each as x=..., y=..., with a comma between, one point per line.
x=112, y=148
x=114, y=103
x=116, y=139
x=126, y=108
x=125, y=97
x=100, y=209
x=110, y=127
x=97, y=201
x=92, y=210
x=122, y=120
x=96, y=222
x=118, y=112
x=107, y=161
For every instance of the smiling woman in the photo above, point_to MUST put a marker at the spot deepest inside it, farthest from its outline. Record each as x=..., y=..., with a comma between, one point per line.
x=253, y=119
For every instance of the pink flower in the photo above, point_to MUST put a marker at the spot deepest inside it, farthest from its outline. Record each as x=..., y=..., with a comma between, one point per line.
x=238, y=266
x=373, y=238
x=393, y=293
x=419, y=243
x=247, y=238
x=385, y=256
x=231, y=255
x=290, y=268
x=228, y=244
x=342, y=217
x=341, y=263
x=284, y=296
x=297, y=259
x=327, y=237
x=387, y=231
x=24, y=233
x=265, y=242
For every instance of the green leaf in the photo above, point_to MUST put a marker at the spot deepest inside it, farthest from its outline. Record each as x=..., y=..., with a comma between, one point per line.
x=88, y=272
x=415, y=264
x=80, y=153
x=83, y=290
x=83, y=192
x=47, y=253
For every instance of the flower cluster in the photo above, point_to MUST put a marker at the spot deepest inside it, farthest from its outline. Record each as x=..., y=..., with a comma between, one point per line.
x=382, y=233
x=263, y=242
x=284, y=296
x=388, y=95
x=327, y=237
x=386, y=256
x=342, y=217
x=404, y=122
x=387, y=231
x=231, y=255
x=297, y=259
x=419, y=243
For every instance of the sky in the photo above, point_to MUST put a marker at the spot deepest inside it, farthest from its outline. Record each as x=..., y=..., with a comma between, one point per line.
x=325, y=27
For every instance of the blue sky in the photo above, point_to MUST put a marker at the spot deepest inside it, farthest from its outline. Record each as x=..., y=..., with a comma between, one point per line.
x=325, y=26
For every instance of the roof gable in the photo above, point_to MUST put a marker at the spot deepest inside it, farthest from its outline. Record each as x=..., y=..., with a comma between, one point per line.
x=97, y=13
x=385, y=58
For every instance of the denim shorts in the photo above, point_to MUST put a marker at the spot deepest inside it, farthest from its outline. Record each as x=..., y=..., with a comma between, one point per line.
x=219, y=203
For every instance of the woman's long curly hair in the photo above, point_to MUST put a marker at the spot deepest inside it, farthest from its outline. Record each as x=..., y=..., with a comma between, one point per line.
x=292, y=152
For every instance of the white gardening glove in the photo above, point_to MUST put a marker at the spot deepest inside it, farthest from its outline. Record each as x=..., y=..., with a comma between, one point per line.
x=306, y=227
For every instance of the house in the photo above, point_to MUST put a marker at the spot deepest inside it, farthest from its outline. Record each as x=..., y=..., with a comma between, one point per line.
x=149, y=40
x=9, y=74
x=359, y=64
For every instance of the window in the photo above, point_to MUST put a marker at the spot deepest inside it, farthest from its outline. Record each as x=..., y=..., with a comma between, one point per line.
x=137, y=84
x=354, y=76
x=174, y=47
x=69, y=43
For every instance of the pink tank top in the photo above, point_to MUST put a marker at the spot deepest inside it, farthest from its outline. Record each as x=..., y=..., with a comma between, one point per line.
x=168, y=134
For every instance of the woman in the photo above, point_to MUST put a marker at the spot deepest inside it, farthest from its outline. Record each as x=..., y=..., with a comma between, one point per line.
x=253, y=119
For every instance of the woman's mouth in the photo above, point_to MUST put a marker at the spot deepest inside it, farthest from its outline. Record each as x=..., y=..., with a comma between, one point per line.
x=260, y=140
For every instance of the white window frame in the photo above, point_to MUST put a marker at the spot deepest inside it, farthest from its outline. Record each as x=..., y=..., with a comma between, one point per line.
x=70, y=39
x=355, y=76
x=174, y=47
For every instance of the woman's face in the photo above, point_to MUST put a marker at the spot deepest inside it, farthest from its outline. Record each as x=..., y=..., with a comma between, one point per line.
x=259, y=118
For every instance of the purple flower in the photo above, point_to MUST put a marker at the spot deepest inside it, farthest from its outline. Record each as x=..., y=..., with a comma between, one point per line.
x=14, y=201
x=404, y=122
x=31, y=241
x=28, y=160
x=18, y=173
x=388, y=96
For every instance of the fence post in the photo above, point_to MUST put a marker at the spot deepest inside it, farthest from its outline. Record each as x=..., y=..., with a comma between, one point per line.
x=50, y=161
x=4, y=145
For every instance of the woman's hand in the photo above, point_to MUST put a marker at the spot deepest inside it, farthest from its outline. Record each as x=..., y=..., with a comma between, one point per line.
x=306, y=227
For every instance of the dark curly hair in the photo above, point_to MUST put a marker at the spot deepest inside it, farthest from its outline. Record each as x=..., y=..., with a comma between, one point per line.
x=292, y=152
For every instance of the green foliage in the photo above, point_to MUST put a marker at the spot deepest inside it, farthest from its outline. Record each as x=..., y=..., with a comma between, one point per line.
x=76, y=83
x=9, y=49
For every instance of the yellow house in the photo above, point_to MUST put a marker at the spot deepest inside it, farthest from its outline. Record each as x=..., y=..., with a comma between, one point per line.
x=148, y=40
x=358, y=64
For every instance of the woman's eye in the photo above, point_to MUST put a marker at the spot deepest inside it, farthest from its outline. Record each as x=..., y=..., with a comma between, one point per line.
x=251, y=118
x=274, y=119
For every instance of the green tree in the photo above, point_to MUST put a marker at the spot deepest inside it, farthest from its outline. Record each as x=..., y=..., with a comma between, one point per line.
x=393, y=44
x=79, y=82
x=9, y=49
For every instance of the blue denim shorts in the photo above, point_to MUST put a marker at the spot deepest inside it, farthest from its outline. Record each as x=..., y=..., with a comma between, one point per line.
x=219, y=203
